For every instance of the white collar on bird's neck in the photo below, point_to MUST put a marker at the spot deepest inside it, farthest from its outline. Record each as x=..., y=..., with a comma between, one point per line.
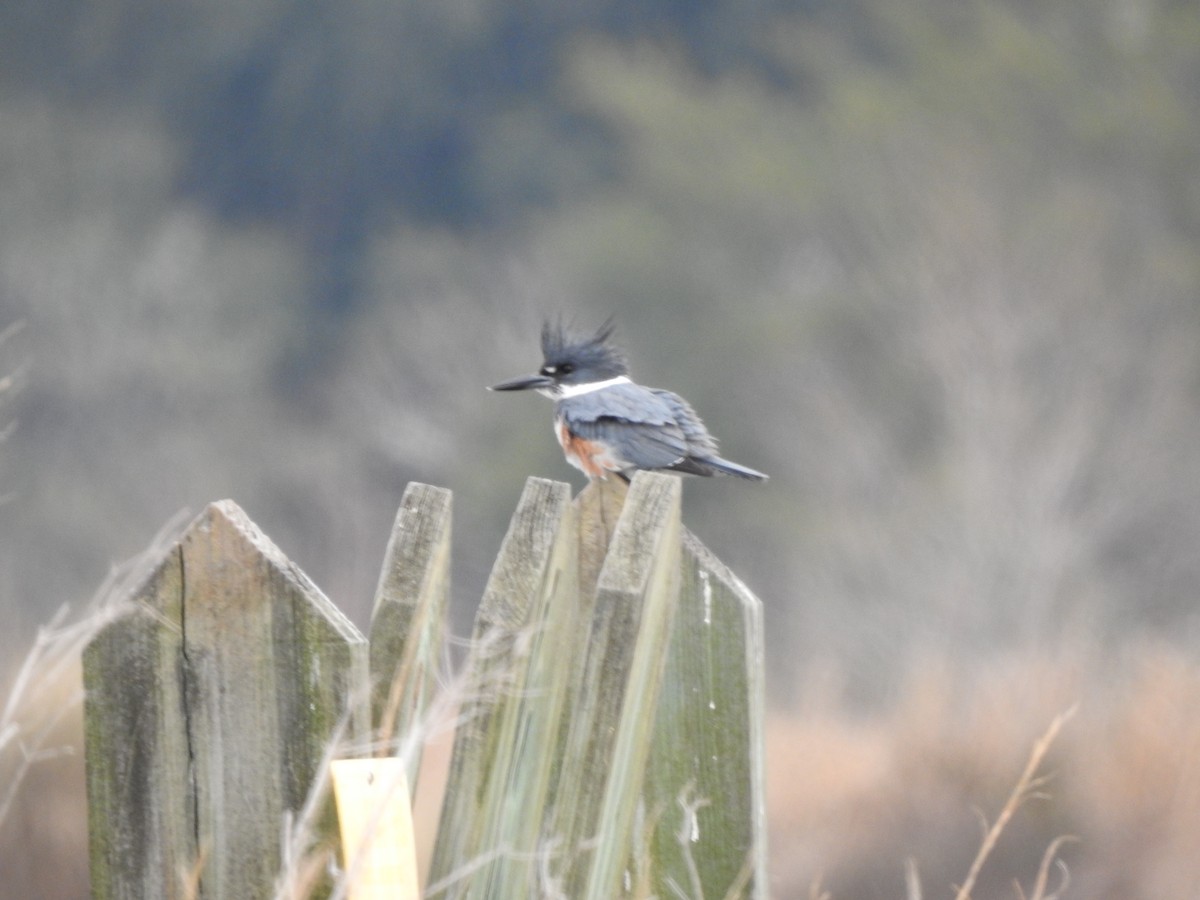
x=567, y=391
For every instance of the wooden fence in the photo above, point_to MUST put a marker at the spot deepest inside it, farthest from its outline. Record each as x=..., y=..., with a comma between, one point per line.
x=610, y=730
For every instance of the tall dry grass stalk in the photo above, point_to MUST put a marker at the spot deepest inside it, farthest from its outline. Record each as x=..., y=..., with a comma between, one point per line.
x=1028, y=785
x=1049, y=858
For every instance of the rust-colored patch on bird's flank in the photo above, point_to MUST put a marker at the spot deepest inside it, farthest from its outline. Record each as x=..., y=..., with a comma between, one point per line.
x=592, y=458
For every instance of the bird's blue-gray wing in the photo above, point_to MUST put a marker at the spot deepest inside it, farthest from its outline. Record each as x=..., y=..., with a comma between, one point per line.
x=699, y=442
x=636, y=422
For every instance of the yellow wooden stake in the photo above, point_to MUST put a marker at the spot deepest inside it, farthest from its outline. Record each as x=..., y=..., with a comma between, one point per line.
x=375, y=818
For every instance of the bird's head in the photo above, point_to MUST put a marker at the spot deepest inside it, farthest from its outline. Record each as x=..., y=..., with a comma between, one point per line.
x=571, y=360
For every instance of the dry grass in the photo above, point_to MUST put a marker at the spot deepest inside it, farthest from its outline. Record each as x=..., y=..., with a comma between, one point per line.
x=885, y=805
x=890, y=806
x=1026, y=788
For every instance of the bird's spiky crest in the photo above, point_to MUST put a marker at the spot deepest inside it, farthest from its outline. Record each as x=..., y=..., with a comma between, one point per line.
x=591, y=352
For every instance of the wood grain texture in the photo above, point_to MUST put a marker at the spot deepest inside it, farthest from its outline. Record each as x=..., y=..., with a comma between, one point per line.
x=245, y=671
x=408, y=619
x=611, y=729
x=502, y=760
x=608, y=734
x=599, y=507
x=141, y=799
x=704, y=781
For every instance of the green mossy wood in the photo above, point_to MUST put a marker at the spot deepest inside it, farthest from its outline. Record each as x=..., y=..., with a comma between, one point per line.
x=704, y=788
x=609, y=742
x=408, y=620
x=208, y=712
x=502, y=761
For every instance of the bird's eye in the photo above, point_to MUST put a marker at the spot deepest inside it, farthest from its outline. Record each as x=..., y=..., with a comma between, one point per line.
x=566, y=369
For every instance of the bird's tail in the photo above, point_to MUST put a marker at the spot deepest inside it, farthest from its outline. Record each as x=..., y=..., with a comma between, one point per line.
x=725, y=467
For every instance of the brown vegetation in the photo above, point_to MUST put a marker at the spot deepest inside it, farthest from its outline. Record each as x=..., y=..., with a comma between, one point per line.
x=854, y=798
x=866, y=805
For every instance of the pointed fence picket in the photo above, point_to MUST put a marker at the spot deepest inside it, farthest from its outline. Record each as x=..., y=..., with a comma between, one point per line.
x=609, y=737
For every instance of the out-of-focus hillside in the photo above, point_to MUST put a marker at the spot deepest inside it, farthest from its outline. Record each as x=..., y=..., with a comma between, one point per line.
x=934, y=266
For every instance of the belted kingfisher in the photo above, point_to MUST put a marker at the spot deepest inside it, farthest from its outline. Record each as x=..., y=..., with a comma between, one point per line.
x=607, y=423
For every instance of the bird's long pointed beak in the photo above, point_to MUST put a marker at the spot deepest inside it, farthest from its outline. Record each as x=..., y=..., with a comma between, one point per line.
x=524, y=383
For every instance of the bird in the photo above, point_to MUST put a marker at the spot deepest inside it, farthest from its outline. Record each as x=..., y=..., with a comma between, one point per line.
x=608, y=424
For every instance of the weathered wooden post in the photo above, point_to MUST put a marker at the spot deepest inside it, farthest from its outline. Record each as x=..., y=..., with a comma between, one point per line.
x=408, y=619
x=208, y=712
x=595, y=812
x=703, y=797
x=501, y=765
x=614, y=745
x=610, y=737
x=704, y=785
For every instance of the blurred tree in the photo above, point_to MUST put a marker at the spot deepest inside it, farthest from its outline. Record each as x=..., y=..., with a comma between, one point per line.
x=958, y=328
x=930, y=263
x=823, y=197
